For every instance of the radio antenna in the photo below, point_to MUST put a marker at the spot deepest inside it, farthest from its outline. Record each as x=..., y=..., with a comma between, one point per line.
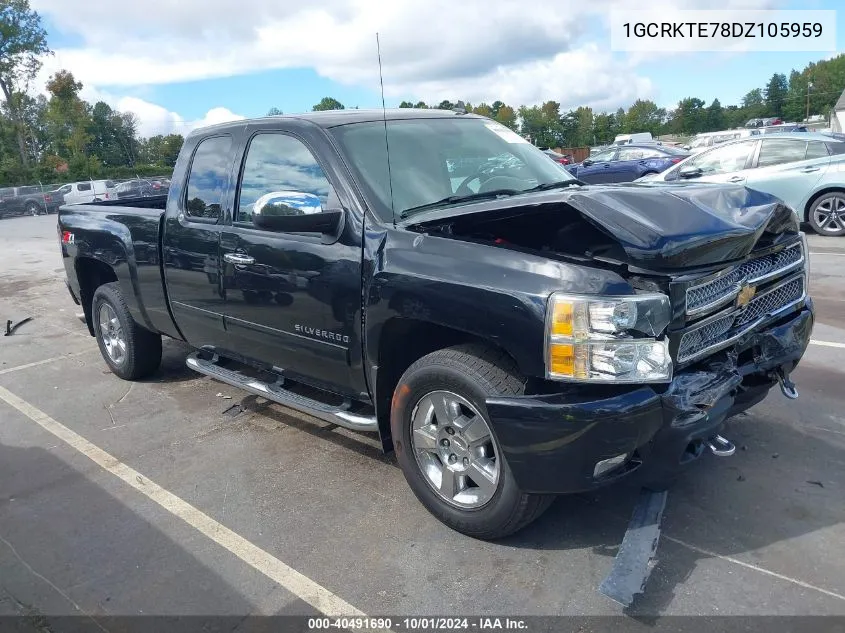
x=386, y=143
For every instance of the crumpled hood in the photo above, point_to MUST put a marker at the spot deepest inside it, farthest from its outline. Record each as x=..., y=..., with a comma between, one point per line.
x=664, y=225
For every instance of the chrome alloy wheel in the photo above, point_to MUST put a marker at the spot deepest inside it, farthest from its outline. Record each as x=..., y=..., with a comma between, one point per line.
x=455, y=449
x=112, y=333
x=829, y=215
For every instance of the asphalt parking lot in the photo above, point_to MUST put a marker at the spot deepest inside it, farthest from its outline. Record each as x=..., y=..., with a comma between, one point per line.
x=181, y=495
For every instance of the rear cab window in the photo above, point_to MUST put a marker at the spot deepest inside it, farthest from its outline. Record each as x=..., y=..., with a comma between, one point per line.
x=208, y=179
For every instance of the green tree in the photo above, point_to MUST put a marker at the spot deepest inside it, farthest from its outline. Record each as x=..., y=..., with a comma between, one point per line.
x=445, y=105
x=421, y=105
x=715, y=117
x=775, y=94
x=23, y=41
x=794, y=102
x=754, y=104
x=605, y=128
x=68, y=119
x=328, y=103
x=162, y=150
x=543, y=124
x=406, y=104
x=482, y=109
x=644, y=116
x=506, y=115
x=688, y=118
x=274, y=111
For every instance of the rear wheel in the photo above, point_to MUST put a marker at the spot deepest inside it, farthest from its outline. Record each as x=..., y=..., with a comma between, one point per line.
x=446, y=447
x=32, y=208
x=827, y=214
x=131, y=351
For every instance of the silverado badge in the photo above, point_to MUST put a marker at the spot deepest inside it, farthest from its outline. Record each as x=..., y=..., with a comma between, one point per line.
x=745, y=295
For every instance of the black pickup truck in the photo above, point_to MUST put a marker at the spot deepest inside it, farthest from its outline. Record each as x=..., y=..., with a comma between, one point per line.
x=430, y=276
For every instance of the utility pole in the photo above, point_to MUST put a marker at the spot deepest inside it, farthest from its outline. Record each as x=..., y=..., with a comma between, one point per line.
x=809, y=85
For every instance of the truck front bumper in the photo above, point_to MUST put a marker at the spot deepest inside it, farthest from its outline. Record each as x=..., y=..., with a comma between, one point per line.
x=559, y=443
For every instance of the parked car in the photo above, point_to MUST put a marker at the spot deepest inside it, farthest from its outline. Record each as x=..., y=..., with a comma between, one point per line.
x=626, y=163
x=783, y=127
x=806, y=171
x=562, y=159
x=511, y=336
x=89, y=191
x=630, y=139
x=135, y=189
x=29, y=200
x=708, y=139
x=763, y=122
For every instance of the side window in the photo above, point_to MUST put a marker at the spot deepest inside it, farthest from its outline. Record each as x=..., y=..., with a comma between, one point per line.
x=723, y=159
x=777, y=151
x=209, y=177
x=65, y=189
x=83, y=186
x=603, y=157
x=631, y=153
x=816, y=149
x=278, y=162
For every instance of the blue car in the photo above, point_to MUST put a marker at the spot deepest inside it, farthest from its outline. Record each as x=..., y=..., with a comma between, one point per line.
x=626, y=163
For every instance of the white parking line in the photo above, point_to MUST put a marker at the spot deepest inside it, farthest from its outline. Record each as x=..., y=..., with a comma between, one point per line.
x=296, y=583
x=762, y=570
x=817, y=253
x=827, y=343
x=9, y=370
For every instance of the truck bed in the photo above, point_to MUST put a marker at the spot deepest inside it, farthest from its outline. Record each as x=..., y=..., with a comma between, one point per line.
x=126, y=236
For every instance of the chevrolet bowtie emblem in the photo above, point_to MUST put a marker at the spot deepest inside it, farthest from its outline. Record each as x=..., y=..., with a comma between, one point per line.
x=745, y=295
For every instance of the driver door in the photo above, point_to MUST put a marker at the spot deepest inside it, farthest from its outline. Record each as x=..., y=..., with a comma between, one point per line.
x=290, y=298
x=729, y=163
x=600, y=169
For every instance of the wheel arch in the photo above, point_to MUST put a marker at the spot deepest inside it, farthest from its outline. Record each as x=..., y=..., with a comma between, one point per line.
x=91, y=273
x=402, y=342
x=818, y=194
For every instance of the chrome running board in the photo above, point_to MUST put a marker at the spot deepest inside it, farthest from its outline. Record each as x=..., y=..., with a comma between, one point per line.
x=338, y=415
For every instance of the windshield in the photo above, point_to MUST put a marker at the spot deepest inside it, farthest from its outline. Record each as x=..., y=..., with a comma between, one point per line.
x=435, y=159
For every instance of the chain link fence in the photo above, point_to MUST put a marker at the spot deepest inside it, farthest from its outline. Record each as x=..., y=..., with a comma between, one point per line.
x=44, y=198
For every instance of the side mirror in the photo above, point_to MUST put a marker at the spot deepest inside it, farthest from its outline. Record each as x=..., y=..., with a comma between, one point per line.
x=293, y=212
x=690, y=172
x=587, y=162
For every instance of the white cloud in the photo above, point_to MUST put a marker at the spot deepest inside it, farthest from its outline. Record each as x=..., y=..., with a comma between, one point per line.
x=472, y=49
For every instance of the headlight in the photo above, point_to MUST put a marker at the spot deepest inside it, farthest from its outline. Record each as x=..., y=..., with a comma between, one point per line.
x=608, y=339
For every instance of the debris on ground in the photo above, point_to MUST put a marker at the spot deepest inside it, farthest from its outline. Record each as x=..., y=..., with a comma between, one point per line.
x=633, y=562
x=741, y=478
x=225, y=397
x=775, y=455
x=10, y=329
x=815, y=483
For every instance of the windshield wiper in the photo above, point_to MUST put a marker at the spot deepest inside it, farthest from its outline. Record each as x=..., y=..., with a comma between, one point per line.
x=495, y=193
x=560, y=184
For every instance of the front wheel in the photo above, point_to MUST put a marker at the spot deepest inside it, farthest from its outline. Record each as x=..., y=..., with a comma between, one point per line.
x=827, y=215
x=32, y=208
x=131, y=351
x=446, y=447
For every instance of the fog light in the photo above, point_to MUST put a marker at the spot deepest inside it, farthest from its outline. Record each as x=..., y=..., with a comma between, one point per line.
x=606, y=465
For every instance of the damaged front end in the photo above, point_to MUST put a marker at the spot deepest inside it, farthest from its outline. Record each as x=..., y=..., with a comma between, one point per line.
x=734, y=266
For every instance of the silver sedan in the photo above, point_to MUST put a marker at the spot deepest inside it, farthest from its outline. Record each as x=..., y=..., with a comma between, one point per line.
x=806, y=171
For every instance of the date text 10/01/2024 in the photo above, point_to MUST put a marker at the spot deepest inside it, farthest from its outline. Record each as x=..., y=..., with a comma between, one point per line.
x=417, y=624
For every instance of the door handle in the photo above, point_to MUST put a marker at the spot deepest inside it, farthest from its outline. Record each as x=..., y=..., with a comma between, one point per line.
x=238, y=258
x=606, y=165
x=736, y=179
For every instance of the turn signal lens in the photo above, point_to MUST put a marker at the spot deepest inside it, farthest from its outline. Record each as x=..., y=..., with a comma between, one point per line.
x=562, y=359
x=562, y=319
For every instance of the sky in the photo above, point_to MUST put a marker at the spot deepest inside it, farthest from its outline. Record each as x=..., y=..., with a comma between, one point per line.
x=180, y=65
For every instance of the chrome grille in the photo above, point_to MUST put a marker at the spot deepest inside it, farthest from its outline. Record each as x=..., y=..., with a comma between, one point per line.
x=711, y=294
x=772, y=300
x=722, y=331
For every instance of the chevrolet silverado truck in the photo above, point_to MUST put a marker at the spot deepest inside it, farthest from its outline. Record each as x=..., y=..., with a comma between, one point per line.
x=509, y=332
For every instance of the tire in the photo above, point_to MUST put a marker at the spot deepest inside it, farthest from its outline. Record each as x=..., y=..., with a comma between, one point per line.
x=140, y=354
x=467, y=374
x=827, y=214
x=32, y=208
